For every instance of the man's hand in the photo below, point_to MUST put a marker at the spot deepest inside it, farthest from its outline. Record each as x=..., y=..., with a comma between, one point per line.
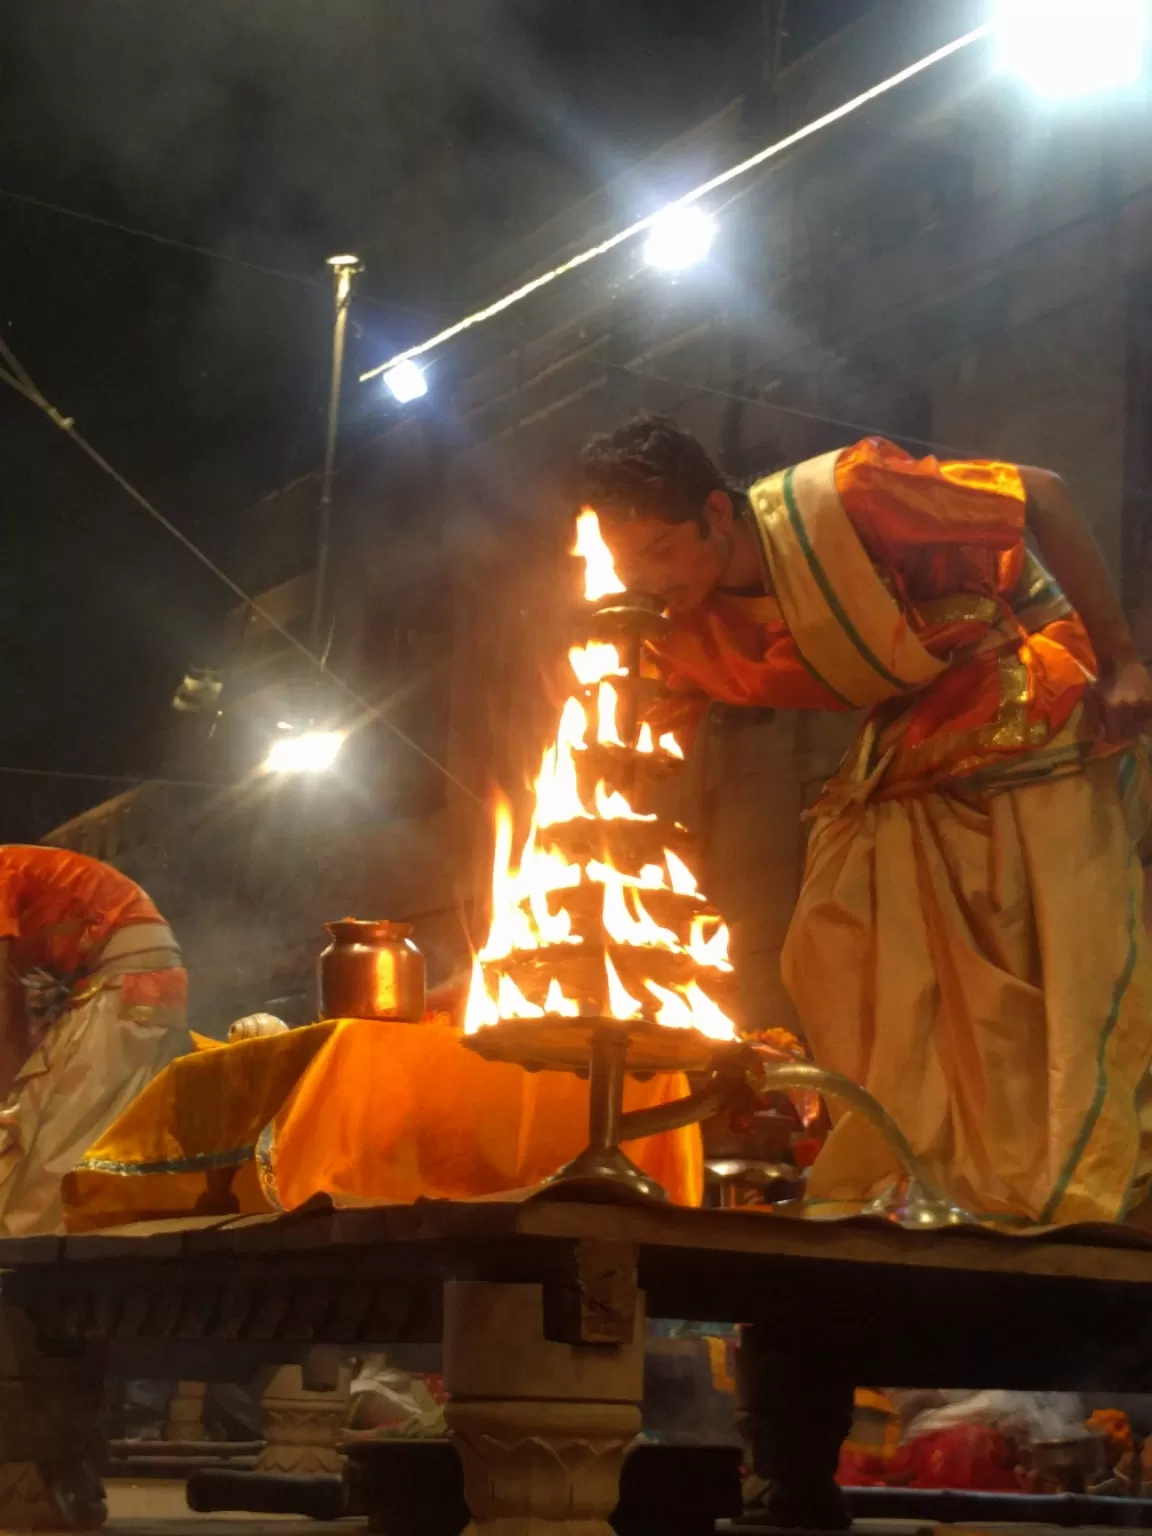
x=1122, y=701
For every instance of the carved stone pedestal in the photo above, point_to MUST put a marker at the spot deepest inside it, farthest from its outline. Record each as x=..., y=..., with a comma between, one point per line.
x=793, y=1416
x=541, y=1427
x=302, y=1428
x=186, y=1412
x=50, y=1438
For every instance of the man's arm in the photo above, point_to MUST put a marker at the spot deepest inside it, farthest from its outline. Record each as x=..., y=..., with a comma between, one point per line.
x=1124, y=692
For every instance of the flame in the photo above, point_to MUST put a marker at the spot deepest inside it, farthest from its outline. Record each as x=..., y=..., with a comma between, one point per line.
x=713, y=951
x=557, y=1003
x=510, y=926
x=600, y=579
x=708, y=1017
x=690, y=1009
x=674, y=1012
x=650, y=878
x=530, y=908
x=682, y=878
x=612, y=806
x=480, y=1008
x=594, y=662
x=606, y=729
x=512, y=1002
x=558, y=787
x=635, y=926
x=667, y=743
x=620, y=1004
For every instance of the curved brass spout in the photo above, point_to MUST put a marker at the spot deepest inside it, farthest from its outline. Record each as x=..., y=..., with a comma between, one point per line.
x=918, y=1201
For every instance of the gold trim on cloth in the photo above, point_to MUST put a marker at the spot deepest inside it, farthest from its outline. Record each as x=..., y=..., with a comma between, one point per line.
x=851, y=632
x=959, y=608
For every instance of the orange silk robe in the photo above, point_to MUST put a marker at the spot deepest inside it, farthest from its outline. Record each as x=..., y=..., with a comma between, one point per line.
x=947, y=541
x=967, y=942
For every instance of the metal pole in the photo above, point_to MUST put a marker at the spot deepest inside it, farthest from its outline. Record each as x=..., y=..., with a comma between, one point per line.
x=606, y=1089
x=344, y=269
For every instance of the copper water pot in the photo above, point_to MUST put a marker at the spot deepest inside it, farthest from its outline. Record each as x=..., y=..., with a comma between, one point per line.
x=371, y=970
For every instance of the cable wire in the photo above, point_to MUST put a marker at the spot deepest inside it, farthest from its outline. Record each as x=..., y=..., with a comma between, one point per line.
x=20, y=380
x=694, y=196
x=112, y=778
x=202, y=250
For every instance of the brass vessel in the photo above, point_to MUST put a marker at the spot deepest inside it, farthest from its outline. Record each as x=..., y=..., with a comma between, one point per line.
x=371, y=970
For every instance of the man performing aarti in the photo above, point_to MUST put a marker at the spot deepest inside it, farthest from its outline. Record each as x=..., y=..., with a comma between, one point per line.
x=967, y=943
x=93, y=1005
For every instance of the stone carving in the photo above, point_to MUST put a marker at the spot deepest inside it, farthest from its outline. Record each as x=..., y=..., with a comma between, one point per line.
x=186, y=1412
x=542, y=1469
x=541, y=1426
x=302, y=1429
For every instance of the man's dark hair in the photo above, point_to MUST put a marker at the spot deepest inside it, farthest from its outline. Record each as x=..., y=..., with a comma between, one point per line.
x=650, y=467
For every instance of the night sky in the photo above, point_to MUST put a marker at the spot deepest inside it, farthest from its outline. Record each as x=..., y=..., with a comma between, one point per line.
x=276, y=131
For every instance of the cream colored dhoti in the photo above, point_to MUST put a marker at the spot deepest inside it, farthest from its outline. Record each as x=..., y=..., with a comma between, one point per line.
x=90, y=1066
x=980, y=965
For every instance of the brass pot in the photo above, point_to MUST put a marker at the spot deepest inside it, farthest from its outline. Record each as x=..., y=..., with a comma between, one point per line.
x=371, y=970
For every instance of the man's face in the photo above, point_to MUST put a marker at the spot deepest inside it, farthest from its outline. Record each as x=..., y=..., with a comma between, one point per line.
x=675, y=562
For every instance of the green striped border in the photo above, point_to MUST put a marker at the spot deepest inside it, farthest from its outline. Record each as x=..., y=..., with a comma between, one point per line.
x=829, y=595
x=1122, y=984
x=200, y=1162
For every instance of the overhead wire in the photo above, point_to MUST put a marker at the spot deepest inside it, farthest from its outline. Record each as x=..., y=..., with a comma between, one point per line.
x=111, y=778
x=172, y=241
x=761, y=157
x=20, y=380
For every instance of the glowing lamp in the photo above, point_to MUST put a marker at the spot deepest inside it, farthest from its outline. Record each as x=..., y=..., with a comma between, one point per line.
x=679, y=238
x=406, y=382
x=309, y=752
x=1065, y=48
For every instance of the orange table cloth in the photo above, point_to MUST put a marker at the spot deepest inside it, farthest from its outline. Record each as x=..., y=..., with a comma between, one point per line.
x=354, y=1109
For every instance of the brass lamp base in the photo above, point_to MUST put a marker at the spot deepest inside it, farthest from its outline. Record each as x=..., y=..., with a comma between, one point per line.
x=606, y=1049
x=556, y=1044
x=603, y=1175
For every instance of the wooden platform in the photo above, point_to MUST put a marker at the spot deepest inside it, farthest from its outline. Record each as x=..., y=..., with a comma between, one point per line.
x=541, y=1303
x=1065, y=1308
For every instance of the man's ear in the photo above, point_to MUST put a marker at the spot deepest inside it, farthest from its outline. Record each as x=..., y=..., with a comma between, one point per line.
x=719, y=511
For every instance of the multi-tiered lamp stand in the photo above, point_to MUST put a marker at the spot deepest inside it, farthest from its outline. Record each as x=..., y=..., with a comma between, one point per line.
x=595, y=1043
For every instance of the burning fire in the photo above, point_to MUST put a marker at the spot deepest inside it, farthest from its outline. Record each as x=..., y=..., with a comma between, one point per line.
x=582, y=904
x=600, y=578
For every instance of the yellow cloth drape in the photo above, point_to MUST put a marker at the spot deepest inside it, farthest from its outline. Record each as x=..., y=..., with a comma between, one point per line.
x=980, y=965
x=360, y=1109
